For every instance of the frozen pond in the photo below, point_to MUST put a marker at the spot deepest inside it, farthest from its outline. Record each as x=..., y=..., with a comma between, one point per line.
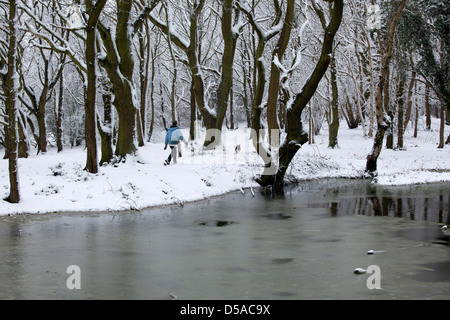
x=304, y=244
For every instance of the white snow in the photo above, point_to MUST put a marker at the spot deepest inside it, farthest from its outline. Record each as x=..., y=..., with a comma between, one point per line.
x=374, y=17
x=56, y=182
x=359, y=271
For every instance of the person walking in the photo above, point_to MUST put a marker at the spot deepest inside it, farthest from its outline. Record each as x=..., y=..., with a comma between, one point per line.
x=173, y=138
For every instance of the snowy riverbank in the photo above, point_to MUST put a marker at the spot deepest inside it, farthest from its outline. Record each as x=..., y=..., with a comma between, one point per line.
x=56, y=182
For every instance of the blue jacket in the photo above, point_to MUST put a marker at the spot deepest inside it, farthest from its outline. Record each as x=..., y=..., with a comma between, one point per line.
x=173, y=135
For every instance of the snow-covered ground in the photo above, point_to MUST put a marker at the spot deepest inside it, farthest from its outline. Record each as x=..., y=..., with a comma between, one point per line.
x=56, y=182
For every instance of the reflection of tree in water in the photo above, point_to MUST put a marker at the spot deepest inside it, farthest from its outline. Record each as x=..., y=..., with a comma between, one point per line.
x=14, y=257
x=387, y=206
x=428, y=209
x=334, y=208
x=415, y=203
x=361, y=197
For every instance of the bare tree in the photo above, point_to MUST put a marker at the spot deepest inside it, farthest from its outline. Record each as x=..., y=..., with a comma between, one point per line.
x=295, y=136
x=10, y=85
x=93, y=11
x=117, y=59
x=39, y=86
x=277, y=55
x=263, y=38
x=383, y=120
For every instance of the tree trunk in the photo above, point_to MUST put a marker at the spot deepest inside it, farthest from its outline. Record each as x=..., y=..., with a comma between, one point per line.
x=152, y=96
x=126, y=131
x=105, y=129
x=245, y=97
x=442, y=127
x=59, y=115
x=42, y=127
x=232, y=126
x=144, y=52
x=139, y=128
x=163, y=117
x=416, y=122
x=383, y=121
x=126, y=144
x=91, y=91
x=334, y=125
x=427, y=107
x=274, y=83
x=400, y=104
x=23, y=140
x=10, y=104
x=193, y=114
x=371, y=111
x=389, y=111
x=410, y=93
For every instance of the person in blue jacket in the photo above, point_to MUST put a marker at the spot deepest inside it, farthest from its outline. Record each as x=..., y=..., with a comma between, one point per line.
x=173, y=137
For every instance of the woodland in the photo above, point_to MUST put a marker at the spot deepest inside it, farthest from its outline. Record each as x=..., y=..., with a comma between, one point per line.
x=107, y=75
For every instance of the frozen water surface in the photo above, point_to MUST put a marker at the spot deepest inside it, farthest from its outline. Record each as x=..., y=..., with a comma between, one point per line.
x=304, y=244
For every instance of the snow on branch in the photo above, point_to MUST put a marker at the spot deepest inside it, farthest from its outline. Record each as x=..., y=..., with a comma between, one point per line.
x=237, y=27
x=266, y=35
x=174, y=37
x=251, y=18
x=143, y=15
x=279, y=65
x=320, y=13
x=64, y=48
